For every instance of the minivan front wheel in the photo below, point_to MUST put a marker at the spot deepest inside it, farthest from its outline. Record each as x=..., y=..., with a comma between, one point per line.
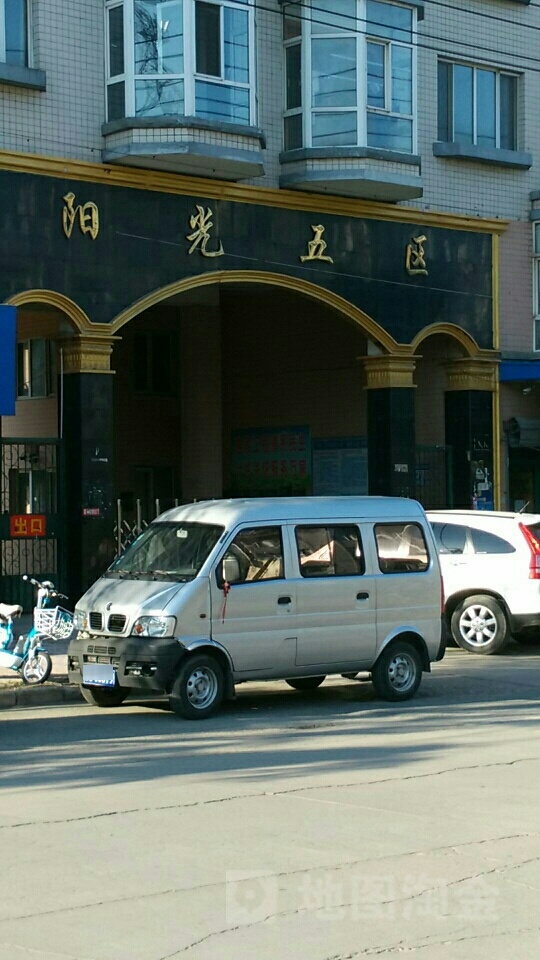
x=479, y=625
x=398, y=672
x=104, y=696
x=198, y=689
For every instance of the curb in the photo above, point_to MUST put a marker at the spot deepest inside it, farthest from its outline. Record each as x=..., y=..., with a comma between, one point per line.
x=46, y=694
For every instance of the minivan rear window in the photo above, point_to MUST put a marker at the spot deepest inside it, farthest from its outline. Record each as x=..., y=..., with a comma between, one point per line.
x=401, y=547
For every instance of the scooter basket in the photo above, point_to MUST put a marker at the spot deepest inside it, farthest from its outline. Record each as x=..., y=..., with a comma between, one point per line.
x=54, y=622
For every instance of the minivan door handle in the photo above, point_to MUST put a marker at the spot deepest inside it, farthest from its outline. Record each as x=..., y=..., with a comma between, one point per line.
x=362, y=596
x=283, y=600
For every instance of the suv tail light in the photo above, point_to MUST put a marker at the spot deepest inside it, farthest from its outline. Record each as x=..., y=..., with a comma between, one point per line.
x=534, y=546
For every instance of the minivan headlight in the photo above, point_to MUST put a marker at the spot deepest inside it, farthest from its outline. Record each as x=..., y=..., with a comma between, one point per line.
x=154, y=627
x=80, y=620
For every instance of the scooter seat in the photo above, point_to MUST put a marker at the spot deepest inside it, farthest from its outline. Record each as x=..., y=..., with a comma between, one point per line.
x=9, y=611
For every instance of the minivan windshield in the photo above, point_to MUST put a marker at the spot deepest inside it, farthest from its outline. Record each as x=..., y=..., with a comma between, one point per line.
x=167, y=550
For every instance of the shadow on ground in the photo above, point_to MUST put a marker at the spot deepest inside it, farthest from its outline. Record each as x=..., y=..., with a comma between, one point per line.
x=270, y=730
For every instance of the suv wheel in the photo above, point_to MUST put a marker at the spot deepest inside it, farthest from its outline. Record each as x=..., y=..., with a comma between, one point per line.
x=479, y=625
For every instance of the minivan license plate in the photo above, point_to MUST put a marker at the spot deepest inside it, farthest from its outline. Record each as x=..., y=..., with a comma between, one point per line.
x=99, y=674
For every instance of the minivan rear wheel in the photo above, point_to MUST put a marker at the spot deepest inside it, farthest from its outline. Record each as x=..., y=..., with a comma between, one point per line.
x=479, y=625
x=398, y=672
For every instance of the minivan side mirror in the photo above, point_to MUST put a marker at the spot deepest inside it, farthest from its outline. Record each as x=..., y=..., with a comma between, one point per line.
x=230, y=570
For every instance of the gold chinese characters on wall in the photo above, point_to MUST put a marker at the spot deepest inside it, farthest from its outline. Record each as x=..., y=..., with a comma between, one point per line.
x=87, y=215
x=201, y=224
x=415, y=260
x=317, y=246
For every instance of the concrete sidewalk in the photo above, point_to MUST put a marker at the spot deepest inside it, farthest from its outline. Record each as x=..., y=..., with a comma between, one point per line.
x=57, y=689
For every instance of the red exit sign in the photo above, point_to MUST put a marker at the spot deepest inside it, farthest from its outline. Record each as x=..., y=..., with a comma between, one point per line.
x=27, y=525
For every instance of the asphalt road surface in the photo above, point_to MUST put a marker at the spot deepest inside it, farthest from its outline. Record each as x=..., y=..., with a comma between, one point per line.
x=321, y=826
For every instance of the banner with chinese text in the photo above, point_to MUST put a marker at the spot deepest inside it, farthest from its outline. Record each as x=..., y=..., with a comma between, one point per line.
x=271, y=462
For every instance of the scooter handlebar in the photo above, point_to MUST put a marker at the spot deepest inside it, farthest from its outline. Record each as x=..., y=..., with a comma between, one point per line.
x=45, y=585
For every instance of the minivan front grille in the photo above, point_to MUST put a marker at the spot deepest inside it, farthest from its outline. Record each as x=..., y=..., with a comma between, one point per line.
x=96, y=621
x=117, y=622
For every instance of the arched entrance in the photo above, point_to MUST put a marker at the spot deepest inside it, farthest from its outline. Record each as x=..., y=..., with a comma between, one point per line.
x=257, y=386
x=33, y=516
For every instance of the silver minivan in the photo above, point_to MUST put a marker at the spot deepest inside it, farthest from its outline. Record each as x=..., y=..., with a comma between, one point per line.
x=216, y=593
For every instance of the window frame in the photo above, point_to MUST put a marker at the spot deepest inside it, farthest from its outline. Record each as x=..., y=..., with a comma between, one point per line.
x=50, y=368
x=536, y=284
x=362, y=35
x=27, y=6
x=450, y=122
x=189, y=77
x=392, y=565
x=330, y=527
x=232, y=543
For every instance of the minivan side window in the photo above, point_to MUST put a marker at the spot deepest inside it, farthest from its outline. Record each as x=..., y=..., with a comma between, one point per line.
x=450, y=537
x=256, y=553
x=334, y=551
x=401, y=547
x=484, y=542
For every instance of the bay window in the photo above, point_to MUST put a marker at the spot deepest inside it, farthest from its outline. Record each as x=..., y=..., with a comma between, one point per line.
x=349, y=74
x=14, y=32
x=180, y=57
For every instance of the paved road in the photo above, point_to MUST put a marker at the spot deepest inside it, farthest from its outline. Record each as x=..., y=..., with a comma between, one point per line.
x=297, y=826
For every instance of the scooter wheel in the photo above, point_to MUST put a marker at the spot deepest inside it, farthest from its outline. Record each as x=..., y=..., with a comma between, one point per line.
x=37, y=668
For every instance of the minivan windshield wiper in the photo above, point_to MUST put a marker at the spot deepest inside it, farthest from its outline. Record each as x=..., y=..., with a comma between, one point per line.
x=167, y=573
x=123, y=574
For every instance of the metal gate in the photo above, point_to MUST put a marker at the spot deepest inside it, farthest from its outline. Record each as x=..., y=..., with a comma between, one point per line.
x=434, y=477
x=31, y=520
x=130, y=523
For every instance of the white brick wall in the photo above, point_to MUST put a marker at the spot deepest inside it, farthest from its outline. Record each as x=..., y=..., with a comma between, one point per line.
x=66, y=120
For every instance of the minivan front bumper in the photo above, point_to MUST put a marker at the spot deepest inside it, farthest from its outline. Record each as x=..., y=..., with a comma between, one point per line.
x=149, y=664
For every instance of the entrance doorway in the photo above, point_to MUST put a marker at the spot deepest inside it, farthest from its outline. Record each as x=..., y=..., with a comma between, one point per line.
x=239, y=390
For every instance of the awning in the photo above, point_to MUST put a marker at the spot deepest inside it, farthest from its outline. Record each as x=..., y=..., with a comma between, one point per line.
x=515, y=370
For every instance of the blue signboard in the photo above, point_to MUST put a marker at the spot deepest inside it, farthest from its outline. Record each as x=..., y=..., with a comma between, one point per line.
x=8, y=336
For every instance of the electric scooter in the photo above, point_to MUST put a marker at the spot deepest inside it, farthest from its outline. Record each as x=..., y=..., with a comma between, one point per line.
x=28, y=656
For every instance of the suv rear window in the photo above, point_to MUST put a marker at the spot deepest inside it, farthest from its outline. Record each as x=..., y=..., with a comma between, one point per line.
x=401, y=547
x=484, y=542
x=450, y=537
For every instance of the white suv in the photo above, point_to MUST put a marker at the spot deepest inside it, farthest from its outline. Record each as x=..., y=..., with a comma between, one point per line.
x=490, y=563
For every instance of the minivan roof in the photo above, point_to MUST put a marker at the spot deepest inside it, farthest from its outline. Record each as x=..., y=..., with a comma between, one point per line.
x=276, y=509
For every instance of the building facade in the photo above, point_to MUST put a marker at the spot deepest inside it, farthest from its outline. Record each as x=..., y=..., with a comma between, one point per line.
x=264, y=248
